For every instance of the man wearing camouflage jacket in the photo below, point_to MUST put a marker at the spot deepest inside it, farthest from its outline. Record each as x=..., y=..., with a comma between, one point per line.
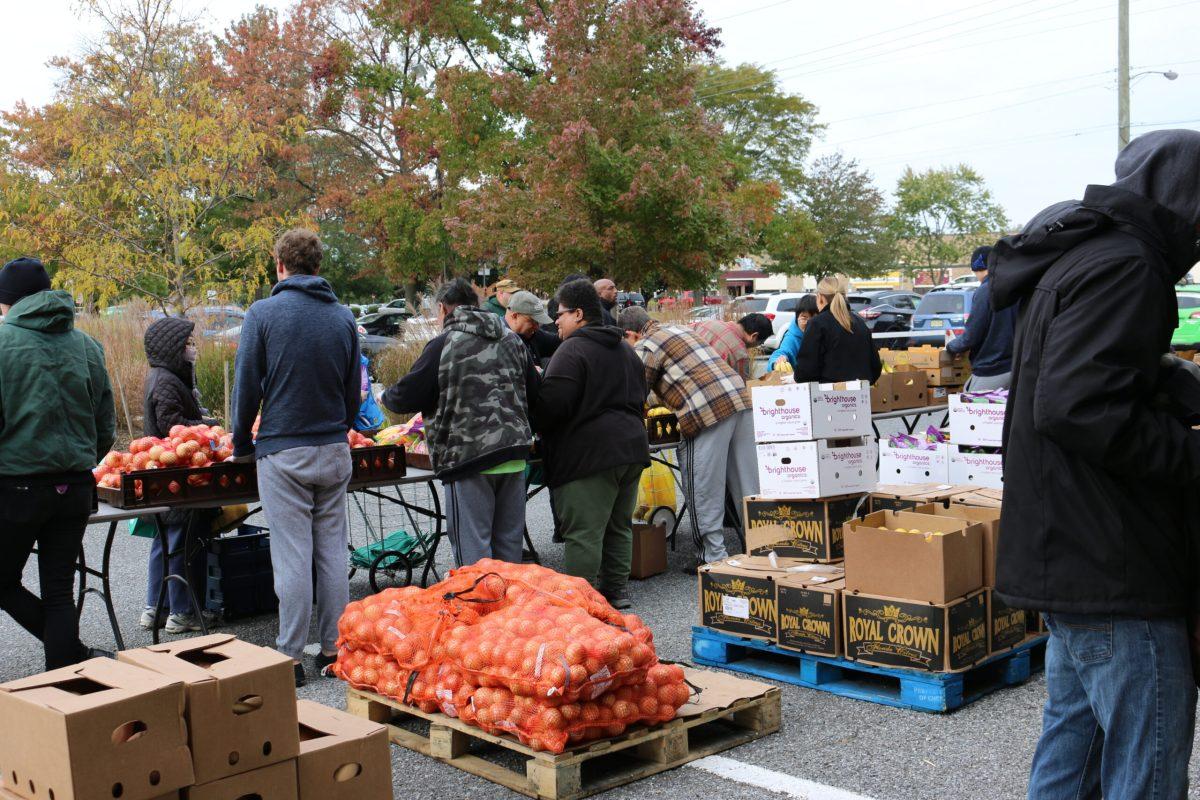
x=474, y=384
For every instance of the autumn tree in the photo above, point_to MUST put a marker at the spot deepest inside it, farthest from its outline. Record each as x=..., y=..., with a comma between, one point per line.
x=849, y=217
x=941, y=215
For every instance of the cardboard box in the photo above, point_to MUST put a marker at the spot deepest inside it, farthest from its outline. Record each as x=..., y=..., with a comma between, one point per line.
x=937, y=637
x=737, y=595
x=808, y=530
x=988, y=518
x=909, y=387
x=810, y=611
x=1007, y=626
x=981, y=497
x=938, y=395
x=976, y=466
x=94, y=731
x=933, y=568
x=926, y=356
x=950, y=377
x=649, y=550
x=825, y=468
x=241, y=701
x=806, y=411
x=276, y=782
x=904, y=497
x=881, y=394
x=908, y=465
x=342, y=757
x=979, y=424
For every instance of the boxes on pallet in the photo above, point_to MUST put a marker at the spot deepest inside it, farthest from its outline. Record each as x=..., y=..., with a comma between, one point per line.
x=810, y=610
x=241, y=701
x=810, y=470
x=737, y=595
x=929, y=463
x=979, y=424
x=276, y=782
x=988, y=518
x=1007, y=626
x=785, y=412
x=809, y=530
x=94, y=731
x=342, y=757
x=897, y=632
x=918, y=556
x=904, y=497
x=979, y=466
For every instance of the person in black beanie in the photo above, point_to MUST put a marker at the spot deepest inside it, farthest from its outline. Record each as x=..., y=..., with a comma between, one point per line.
x=56, y=422
x=988, y=337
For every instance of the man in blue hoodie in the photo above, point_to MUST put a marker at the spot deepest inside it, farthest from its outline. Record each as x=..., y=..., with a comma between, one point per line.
x=298, y=360
x=989, y=334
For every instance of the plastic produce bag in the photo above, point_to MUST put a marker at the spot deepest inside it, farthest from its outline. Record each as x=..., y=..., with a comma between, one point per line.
x=655, y=490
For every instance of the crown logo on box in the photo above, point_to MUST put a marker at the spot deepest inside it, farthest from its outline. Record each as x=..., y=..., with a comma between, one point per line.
x=891, y=612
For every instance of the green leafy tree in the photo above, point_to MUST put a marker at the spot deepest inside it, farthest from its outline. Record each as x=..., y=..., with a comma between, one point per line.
x=850, y=220
x=941, y=215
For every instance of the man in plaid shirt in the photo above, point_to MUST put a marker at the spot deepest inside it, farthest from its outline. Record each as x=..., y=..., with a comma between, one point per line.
x=716, y=454
x=733, y=340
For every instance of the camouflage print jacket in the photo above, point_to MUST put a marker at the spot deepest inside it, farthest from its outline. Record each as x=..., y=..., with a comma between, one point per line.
x=474, y=384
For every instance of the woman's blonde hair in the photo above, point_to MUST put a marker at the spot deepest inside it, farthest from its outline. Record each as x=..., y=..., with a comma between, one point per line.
x=833, y=289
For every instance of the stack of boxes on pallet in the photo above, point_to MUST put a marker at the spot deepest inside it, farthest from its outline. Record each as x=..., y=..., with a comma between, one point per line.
x=210, y=718
x=976, y=431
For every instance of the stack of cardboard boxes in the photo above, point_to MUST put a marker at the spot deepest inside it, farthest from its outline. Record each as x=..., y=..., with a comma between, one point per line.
x=976, y=430
x=210, y=718
x=929, y=463
x=941, y=379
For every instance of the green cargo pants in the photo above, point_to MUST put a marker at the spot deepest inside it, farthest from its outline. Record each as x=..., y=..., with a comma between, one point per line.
x=595, y=517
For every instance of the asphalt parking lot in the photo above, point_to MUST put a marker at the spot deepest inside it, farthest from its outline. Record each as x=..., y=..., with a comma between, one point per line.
x=981, y=751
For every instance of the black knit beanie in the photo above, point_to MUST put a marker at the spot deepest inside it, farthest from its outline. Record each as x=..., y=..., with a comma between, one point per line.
x=20, y=278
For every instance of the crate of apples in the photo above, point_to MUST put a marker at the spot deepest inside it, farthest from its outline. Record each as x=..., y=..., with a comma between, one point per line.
x=374, y=463
x=189, y=466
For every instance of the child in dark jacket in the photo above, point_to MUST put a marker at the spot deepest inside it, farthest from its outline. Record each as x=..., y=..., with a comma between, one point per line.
x=172, y=399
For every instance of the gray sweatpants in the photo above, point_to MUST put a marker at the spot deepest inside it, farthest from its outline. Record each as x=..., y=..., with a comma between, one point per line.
x=719, y=461
x=980, y=383
x=303, y=493
x=485, y=517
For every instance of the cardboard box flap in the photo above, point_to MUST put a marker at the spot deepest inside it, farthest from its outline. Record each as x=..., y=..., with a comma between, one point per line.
x=960, y=511
x=213, y=657
x=754, y=564
x=843, y=386
x=330, y=726
x=90, y=684
x=716, y=690
x=913, y=490
x=909, y=520
x=772, y=379
x=814, y=579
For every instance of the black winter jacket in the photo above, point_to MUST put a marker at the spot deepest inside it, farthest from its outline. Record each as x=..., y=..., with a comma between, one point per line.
x=170, y=396
x=1097, y=477
x=831, y=354
x=590, y=406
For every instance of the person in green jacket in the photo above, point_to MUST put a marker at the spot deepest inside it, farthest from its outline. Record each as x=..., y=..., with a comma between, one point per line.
x=498, y=302
x=56, y=422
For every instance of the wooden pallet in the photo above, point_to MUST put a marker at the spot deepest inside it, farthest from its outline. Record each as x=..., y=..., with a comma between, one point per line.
x=589, y=768
x=934, y=692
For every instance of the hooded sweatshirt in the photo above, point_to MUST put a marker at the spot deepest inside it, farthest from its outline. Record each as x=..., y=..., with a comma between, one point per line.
x=590, y=406
x=56, y=405
x=1096, y=473
x=170, y=395
x=474, y=384
x=298, y=360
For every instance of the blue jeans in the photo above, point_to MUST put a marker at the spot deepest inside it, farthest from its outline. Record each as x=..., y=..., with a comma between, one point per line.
x=1121, y=709
x=178, y=600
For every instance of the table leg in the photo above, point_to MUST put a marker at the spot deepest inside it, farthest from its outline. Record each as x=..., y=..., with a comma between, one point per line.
x=430, y=565
x=105, y=590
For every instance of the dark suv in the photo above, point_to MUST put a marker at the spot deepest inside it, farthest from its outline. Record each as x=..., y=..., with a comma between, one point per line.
x=885, y=310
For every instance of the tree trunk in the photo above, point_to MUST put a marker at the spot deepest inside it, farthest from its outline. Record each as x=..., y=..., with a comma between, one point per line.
x=410, y=295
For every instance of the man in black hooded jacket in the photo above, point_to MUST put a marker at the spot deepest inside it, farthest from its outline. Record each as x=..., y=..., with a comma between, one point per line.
x=1097, y=474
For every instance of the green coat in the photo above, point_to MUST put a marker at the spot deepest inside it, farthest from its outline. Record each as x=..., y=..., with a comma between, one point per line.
x=56, y=404
x=493, y=305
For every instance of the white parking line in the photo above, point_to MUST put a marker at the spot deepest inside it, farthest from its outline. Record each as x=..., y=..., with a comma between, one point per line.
x=770, y=780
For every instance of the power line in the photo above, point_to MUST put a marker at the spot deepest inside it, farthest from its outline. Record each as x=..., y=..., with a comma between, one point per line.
x=752, y=11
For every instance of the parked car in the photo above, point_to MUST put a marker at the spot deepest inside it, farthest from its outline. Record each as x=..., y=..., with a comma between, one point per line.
x=886, y=310
x=213, y=320
x=1187, y=333
x=704, y=312
x=627, y=299
x=944, y=308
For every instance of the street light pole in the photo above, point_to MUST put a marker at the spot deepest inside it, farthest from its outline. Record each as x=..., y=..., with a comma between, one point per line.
x=1122, y=74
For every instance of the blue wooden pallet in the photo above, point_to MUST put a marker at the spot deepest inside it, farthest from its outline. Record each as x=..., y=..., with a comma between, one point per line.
x=934, y=692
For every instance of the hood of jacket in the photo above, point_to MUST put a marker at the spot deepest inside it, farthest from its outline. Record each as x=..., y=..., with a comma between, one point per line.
x=604, y=335
x=165, y=341
x=313, y=285
x=475, y=321
x=49, y=312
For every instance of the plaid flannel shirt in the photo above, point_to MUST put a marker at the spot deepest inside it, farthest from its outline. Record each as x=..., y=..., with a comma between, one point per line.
x=726, y=339
x=690, y=378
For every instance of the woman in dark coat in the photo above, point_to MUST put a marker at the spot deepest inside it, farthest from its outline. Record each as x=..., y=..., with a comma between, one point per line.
x=837, y=344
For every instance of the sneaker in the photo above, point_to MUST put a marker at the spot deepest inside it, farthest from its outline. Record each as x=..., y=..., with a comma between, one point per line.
x=618, y=599
x=301, y=678
x=150, y=620
x=187, y=623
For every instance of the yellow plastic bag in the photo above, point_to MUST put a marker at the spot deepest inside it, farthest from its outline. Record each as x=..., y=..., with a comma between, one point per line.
x=656, y=490
x=229, y=518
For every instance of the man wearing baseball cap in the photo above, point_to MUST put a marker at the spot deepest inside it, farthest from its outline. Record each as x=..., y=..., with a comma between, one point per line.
x=988, y=337
x=498, y=302
x=56, y=423
x=525, y=317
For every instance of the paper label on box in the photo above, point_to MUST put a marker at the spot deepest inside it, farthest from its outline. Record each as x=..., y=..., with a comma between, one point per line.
x=738, y=607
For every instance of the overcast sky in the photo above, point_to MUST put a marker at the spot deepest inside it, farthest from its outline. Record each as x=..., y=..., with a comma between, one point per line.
x=1023, y=90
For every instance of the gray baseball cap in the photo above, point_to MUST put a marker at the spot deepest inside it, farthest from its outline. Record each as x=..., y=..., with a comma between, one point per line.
x=527, y=303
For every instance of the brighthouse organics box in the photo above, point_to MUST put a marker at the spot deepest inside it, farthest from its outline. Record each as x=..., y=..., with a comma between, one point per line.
x=809, y=530
x=810, y=610
x=936, y=637
x=917, y=556
x=810, y=470
x=94, y=731
x=805, y=411
x=980, y=424
x=979, y=466
x=913, y=465
x=737, y=595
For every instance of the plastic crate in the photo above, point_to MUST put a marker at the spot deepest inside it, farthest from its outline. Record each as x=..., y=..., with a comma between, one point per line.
x=241, y=581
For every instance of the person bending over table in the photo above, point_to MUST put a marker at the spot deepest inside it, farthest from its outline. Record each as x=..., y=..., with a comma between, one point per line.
x=589, y=413
x=298, y=360
x=474, y=384
x=56, y=422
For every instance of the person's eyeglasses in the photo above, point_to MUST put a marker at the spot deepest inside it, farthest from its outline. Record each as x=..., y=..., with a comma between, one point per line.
x=564, y=311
